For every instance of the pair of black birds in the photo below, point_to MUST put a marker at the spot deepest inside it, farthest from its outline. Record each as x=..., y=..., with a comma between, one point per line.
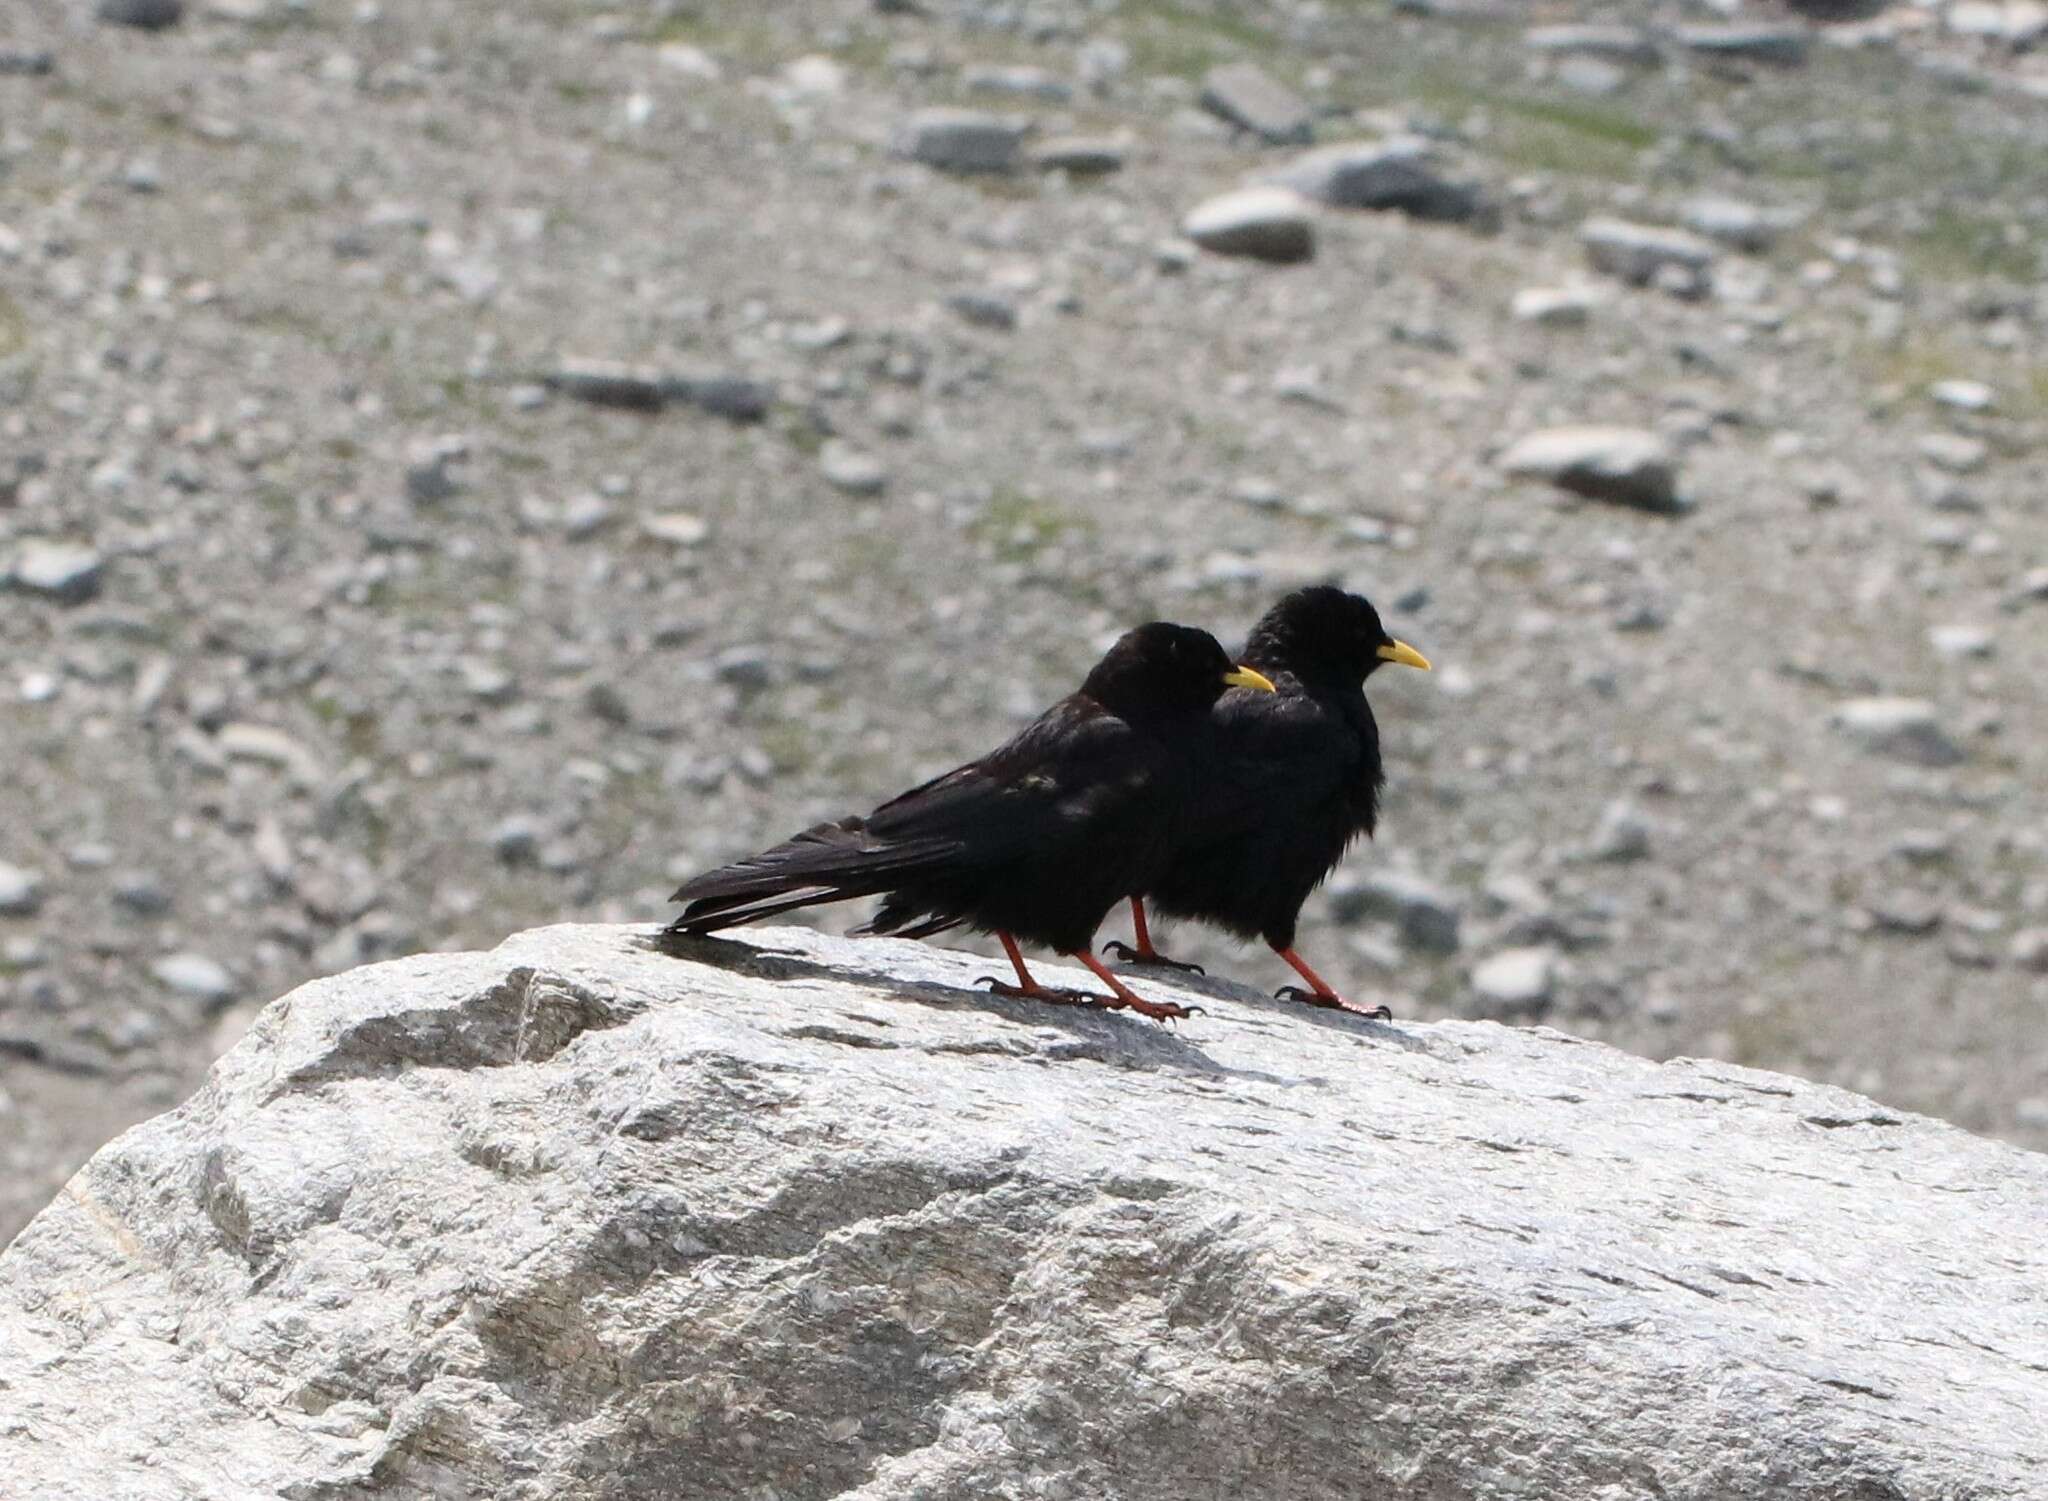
x=1216, y=791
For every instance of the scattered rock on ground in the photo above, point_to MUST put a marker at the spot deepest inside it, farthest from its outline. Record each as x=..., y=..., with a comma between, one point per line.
x=1083, y=156
x=64, y=571
x=1268, y=224
x=1398, y=174
x=1248, y=97
x=1629, y=466
x=145, y=15
x=961, y=140
x=1623, y=44
x=198, y=976
x=1515, y=983
x=851, y=469
x=1640, y=253
x=1732, y=222
x=1906, y=729
x=21, y=891
x=1785, y=46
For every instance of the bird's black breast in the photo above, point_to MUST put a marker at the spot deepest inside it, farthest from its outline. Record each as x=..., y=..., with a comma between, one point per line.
x=1285, y=783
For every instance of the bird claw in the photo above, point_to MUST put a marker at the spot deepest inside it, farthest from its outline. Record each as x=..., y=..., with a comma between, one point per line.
x=1160, y=1011
x=1123, y=953
x=1332, y=1003
x=1047, y=994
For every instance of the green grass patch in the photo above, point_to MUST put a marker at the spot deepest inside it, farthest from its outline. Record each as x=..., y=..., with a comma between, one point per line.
x=1185, y=41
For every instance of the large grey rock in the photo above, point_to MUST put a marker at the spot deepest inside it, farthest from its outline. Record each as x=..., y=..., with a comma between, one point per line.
x=961, y=140
x=1400, y=173
x=1733, y=222
x=1627, y=465
x=1253, y=100
x=820, y=1218
x=1641, y=253
x=1268, y=224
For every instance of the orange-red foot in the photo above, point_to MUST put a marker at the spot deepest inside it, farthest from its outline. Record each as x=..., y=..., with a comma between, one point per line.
x=1052, y=997
x=1319, y=992
x=1123, y=998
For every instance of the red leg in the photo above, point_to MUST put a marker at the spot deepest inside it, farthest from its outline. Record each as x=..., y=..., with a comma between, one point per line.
x=1126, y=998
x=1144, y=953
x=1029, y=988
x=1319, y=993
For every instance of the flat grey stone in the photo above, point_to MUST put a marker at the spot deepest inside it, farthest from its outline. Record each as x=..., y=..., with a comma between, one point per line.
x=1553, y=307
x=1785, y=46
x=606, y=384
x=1732, y=222
x=1621, y=44
x=498, y=1223
x=2030, y=950
x=64, y=571
x=1400, y=174
x=144, y=15
x=23, y=62
x=270, y=747
x=1250, y=98
x=1637, y=253
x=1905, y=729
x=676, y=528
x=1623, y=834
x=1955, y=453
x=1083, y=156
x=1426, y=914
x=1265, y=223
x=1017, y=82
x=1964, y=395
x=1629, y=466
x=961, y=140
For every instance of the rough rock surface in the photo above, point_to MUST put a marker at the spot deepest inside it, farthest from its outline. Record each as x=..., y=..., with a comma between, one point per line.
x=573, y=1219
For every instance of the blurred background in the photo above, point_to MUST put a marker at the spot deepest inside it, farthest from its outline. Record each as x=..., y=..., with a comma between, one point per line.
x=467, y=466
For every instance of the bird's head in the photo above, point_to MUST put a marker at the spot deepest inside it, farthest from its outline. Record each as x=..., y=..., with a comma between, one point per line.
x=1324, y=632
x=1163, y=668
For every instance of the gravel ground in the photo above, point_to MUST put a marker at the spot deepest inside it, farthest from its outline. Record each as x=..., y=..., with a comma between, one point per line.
x=467, y=466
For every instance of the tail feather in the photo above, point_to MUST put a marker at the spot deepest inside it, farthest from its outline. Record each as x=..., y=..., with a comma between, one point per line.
x=831, y=862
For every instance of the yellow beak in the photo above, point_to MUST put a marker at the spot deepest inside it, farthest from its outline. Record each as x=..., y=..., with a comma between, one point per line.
x=1406, y=655
x=1244, y=677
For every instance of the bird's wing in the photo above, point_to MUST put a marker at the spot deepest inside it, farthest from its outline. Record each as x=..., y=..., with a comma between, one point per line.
x=1269, y=753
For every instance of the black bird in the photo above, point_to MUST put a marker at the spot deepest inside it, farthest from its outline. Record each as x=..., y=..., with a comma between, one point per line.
x=1288, y=781
x=1035, y=841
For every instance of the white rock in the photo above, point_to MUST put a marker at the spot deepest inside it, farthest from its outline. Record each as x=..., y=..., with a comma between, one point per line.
x=1963, y=395
x=509, y=1221
x=1961, y=640
x=676, y=528
x=1906, y=729
x=272, y=747
x=1399, y=174
x=1637, y=253
x=1267, y=223
x=1630, y=466
x=196, y=975
x=1956, y=453
x=1515, y=982
x=1554, y=307
x=1732, y=222
x=21, y=891
x=852, y=470
x=63, y=570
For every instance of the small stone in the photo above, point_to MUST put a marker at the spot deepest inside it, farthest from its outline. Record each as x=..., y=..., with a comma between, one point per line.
x=2033, y=587
x=432, y=481
x=21, y=891
x=39, y=687
x=1732, y=222
x=1784, y=46
x=1591, y=76
x=1398, y=174
x=195, y=975
x=1905, y=729
x=1621, y=44
x=1637, y=253
x=851, y=470
x=736, y=398
x=145, y=15
x=20, y=62
x=985, y=309
x=1515, y=983
x=1906, y=914
x=1253, y=100
x=1623, y=835
x=1268, y=224
x=814, y=77
x=1963, y=395
x=2030, y=950
x=603, y=383
x=1628, y=466
x=1553, y=307
x=689, y=62
x=1954, y=453
x=676, y=528
x=516, y=839
x=744, y=667
x=1081, y=156
x=64, y=571
x=584, y=516
x=142, y=175
x=960, y=140
x=1924, y=847
x=270, y=747
x=1018, y=82
x=1961, y=640
x=140, y=893
x=488, y=681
